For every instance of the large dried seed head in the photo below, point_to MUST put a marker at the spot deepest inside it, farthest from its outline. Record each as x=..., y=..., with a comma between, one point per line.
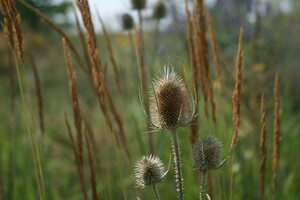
x=127, y=22
x=206, y=153
x=159, y=10
x=170, y=102
x=138, y=4
x=148, y=170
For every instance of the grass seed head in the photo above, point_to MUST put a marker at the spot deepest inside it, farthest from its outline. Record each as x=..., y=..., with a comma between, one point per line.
x=127, y=22
x=170, y=102
x=159, y=10
x=149, y=170
x=138, y=4
x=206, y=153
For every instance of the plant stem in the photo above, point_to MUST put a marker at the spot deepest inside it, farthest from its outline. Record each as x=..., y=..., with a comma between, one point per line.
x=202, y=186
x=155, y=192
x=177, y=162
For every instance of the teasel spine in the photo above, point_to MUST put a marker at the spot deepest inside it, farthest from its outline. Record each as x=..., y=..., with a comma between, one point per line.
x=177, y=163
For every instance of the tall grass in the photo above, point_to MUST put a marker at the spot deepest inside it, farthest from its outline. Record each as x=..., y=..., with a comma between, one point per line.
x=105, y=143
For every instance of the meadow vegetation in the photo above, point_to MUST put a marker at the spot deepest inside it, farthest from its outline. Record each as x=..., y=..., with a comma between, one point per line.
x=206, y=108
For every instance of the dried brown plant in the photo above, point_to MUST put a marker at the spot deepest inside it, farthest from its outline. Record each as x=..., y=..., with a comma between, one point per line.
x=143, y=81
x=276, y=132
x=92, y=168
x=38, y=92
x=200, y=65
x=105, y=100
x=170, y=101
x=92, y=139
x=111, y=54
x=194, y=128
x=75, y=103
x=214, y=46
x=60, y=31
x=204, y=57
x=77, y=160
x=236, y=113
x=8, y=30
x=12, y=25
x=263, y=147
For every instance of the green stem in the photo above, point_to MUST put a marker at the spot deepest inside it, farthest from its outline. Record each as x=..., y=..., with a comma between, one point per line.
x=177, y=162
x=202, y=186
x=156, y=192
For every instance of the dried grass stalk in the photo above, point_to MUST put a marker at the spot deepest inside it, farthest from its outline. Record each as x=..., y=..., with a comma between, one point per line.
x=105, y=100
x=143, y=81
x=141, y=67
x=237, y=92
x=95, y=145
x=276, y=132
x=12, y=83
x=60, y=31
x=78, y=165
x=200, y=65
x=111, y=55
x=8, y=30
x=75, y=103
x=38, y=93
x=204, y=54
x=92, y=169
x=194, y=125
x=12, y=25
x=214, y=46
x=263, y=148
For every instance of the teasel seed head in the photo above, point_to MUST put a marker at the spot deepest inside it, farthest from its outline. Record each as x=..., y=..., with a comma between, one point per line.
x=159, y=10
x=207, y=153
x=149, y=170
x=138, y=4
x=170, y=105
x=127, y=22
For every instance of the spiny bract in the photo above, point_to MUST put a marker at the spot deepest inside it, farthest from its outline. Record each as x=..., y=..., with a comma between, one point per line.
x=170, y=102
x=206, y=153
x=149, y=170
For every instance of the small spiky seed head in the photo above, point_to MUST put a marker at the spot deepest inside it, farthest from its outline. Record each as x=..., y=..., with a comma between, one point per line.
x=207, y=153
x=170, y=102
x=127, y=22
x=148, y=170
x=159, y=10
x=138, y=4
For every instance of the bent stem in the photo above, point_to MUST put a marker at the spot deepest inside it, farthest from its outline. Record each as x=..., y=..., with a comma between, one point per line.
x=155, y=192
x=177, y=162
x=202, y=185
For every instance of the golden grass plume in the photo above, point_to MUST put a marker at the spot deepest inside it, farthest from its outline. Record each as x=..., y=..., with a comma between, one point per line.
x=236, y=113
x=263, y=148
x=276, y=132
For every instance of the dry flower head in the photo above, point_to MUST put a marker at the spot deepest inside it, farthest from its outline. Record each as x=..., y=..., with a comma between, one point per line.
x=149, y=170
x=170, y=105
x=207, y=153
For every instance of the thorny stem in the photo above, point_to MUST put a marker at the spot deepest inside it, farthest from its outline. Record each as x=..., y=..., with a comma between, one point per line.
x=156, y=192
x=177, y=163
x=202, y=185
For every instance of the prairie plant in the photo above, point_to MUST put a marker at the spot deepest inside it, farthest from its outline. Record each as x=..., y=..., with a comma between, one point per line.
x=149, y=170
x=170, y=108
x=207, y=156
